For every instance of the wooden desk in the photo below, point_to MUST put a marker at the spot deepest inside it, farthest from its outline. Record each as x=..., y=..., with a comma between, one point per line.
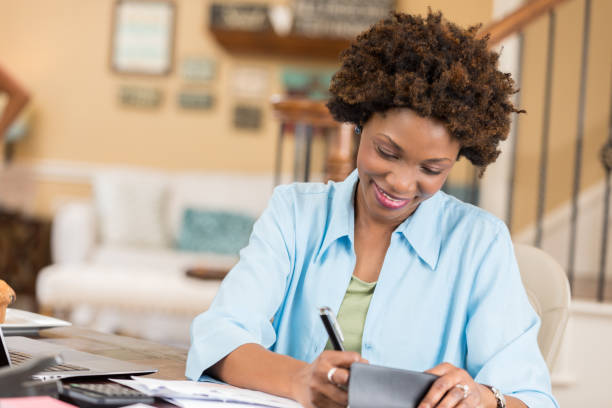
x=170, y=361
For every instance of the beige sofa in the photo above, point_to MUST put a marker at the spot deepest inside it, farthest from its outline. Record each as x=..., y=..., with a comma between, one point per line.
x=116, y=265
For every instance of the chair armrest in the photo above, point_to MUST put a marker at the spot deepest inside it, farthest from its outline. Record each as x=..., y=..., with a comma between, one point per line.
x=73, y=233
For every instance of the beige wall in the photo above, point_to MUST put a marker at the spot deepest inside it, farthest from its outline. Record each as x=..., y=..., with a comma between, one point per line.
x=464, y=13
x=64, y=61
x=60, y=51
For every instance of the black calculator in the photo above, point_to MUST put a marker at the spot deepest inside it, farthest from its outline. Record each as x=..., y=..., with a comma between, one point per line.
x=92, y=395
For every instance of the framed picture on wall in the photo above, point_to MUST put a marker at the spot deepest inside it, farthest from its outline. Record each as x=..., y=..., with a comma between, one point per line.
x=143, y=36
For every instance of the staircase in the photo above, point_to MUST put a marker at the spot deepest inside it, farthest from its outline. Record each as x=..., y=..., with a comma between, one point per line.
x=556, y=185
x=552, y=181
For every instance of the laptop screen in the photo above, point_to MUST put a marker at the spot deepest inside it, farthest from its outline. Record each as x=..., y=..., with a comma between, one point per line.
x=5, y=360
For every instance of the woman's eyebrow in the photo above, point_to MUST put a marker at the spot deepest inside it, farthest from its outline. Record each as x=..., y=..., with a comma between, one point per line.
x=393, y=144
x=441, y=159
x=396, y=146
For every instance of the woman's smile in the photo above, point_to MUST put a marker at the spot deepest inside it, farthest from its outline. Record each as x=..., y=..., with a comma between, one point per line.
x=387, y=200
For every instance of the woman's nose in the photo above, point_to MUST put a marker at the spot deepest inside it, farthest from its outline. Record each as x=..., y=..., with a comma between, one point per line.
x=404, y=184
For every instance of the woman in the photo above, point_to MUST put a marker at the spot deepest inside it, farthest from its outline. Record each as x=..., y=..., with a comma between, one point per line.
x=419, y=279
x=17, y=98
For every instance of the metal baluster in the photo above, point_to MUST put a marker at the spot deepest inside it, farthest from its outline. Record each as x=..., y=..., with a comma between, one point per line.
x=279, y=155
x=579, y=137
x=298, y=154
x=545, y=129
x=309, y=134
x=601, y=281
x=515, y=133
x=606, y=158
x=474, y=188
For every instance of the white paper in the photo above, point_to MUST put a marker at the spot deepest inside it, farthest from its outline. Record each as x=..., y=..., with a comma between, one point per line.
x=190, y=394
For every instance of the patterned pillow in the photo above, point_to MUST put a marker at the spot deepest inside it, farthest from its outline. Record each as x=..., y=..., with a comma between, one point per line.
x=215, y=231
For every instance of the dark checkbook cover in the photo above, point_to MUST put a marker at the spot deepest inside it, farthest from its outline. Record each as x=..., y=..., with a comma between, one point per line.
x=383, y=387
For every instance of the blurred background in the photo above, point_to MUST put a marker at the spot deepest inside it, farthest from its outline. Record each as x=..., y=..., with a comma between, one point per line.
x=155, y=131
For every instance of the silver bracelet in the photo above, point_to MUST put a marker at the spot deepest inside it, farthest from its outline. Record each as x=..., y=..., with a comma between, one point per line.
x=499, y=397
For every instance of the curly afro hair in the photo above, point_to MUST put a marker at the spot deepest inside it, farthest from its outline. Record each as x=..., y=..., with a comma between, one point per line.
x=433, y=67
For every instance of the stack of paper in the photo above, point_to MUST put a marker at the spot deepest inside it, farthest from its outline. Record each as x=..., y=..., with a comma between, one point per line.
x=190, y=394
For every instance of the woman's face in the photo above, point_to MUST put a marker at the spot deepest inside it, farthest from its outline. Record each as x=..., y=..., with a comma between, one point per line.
x=403, y=160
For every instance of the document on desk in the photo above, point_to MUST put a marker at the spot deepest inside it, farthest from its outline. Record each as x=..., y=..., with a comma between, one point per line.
x=192, y=394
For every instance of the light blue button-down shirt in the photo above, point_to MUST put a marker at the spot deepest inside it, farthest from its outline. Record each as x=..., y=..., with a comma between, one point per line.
x=449, y=290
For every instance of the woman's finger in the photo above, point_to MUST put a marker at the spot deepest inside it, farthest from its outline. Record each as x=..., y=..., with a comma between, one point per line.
x=437, y=390
x=336, y=394
x=472, y=400
x=338, y=377
x=450, y=376
x=340, y=358
x=441, y=369
x=452, y=398
x=324, y=399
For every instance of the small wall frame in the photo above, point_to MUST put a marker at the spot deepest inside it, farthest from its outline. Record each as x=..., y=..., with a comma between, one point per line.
x=143, y=37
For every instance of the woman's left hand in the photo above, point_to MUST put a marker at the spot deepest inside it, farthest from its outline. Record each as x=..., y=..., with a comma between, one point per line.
x=454, y=388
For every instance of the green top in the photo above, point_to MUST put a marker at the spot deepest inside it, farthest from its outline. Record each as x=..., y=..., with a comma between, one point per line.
x=353, y=311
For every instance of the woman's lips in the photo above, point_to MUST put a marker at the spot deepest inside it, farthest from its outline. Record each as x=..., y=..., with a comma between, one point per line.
x=387, y=200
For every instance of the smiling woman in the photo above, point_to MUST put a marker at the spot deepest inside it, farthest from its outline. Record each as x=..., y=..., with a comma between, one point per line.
x=419, y=279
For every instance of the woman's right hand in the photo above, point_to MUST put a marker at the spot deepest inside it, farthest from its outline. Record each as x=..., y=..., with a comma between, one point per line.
x=311, y=386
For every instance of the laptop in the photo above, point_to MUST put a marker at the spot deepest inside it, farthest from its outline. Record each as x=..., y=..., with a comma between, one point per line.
x=16, y=350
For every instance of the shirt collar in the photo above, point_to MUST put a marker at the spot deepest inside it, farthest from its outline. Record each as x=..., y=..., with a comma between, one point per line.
x=341, y=217
x=422, y=229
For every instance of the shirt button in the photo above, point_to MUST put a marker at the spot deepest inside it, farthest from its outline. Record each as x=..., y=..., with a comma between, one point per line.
x=368, y=346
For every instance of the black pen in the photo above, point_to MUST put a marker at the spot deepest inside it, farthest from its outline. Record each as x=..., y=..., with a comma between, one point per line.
x=333, y=329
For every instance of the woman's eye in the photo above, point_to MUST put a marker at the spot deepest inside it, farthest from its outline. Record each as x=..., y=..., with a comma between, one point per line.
x=433, y=172
x=386, y=154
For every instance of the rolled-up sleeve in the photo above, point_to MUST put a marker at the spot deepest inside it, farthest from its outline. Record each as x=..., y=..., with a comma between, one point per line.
x=250, y=294
x=502, y=329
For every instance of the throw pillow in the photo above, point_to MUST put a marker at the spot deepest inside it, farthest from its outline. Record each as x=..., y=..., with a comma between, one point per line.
x=215, y=231
x=130, y=207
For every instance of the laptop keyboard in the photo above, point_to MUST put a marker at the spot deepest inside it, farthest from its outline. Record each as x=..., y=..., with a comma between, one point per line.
x=18, y=358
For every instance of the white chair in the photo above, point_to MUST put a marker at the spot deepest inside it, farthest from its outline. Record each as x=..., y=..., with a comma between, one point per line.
x=549, y=293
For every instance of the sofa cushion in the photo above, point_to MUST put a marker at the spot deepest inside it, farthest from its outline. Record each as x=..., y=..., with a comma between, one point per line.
x=128, y=288
x=159, y=259
x=130, y=207
x=237, y=192
x=221, y=232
